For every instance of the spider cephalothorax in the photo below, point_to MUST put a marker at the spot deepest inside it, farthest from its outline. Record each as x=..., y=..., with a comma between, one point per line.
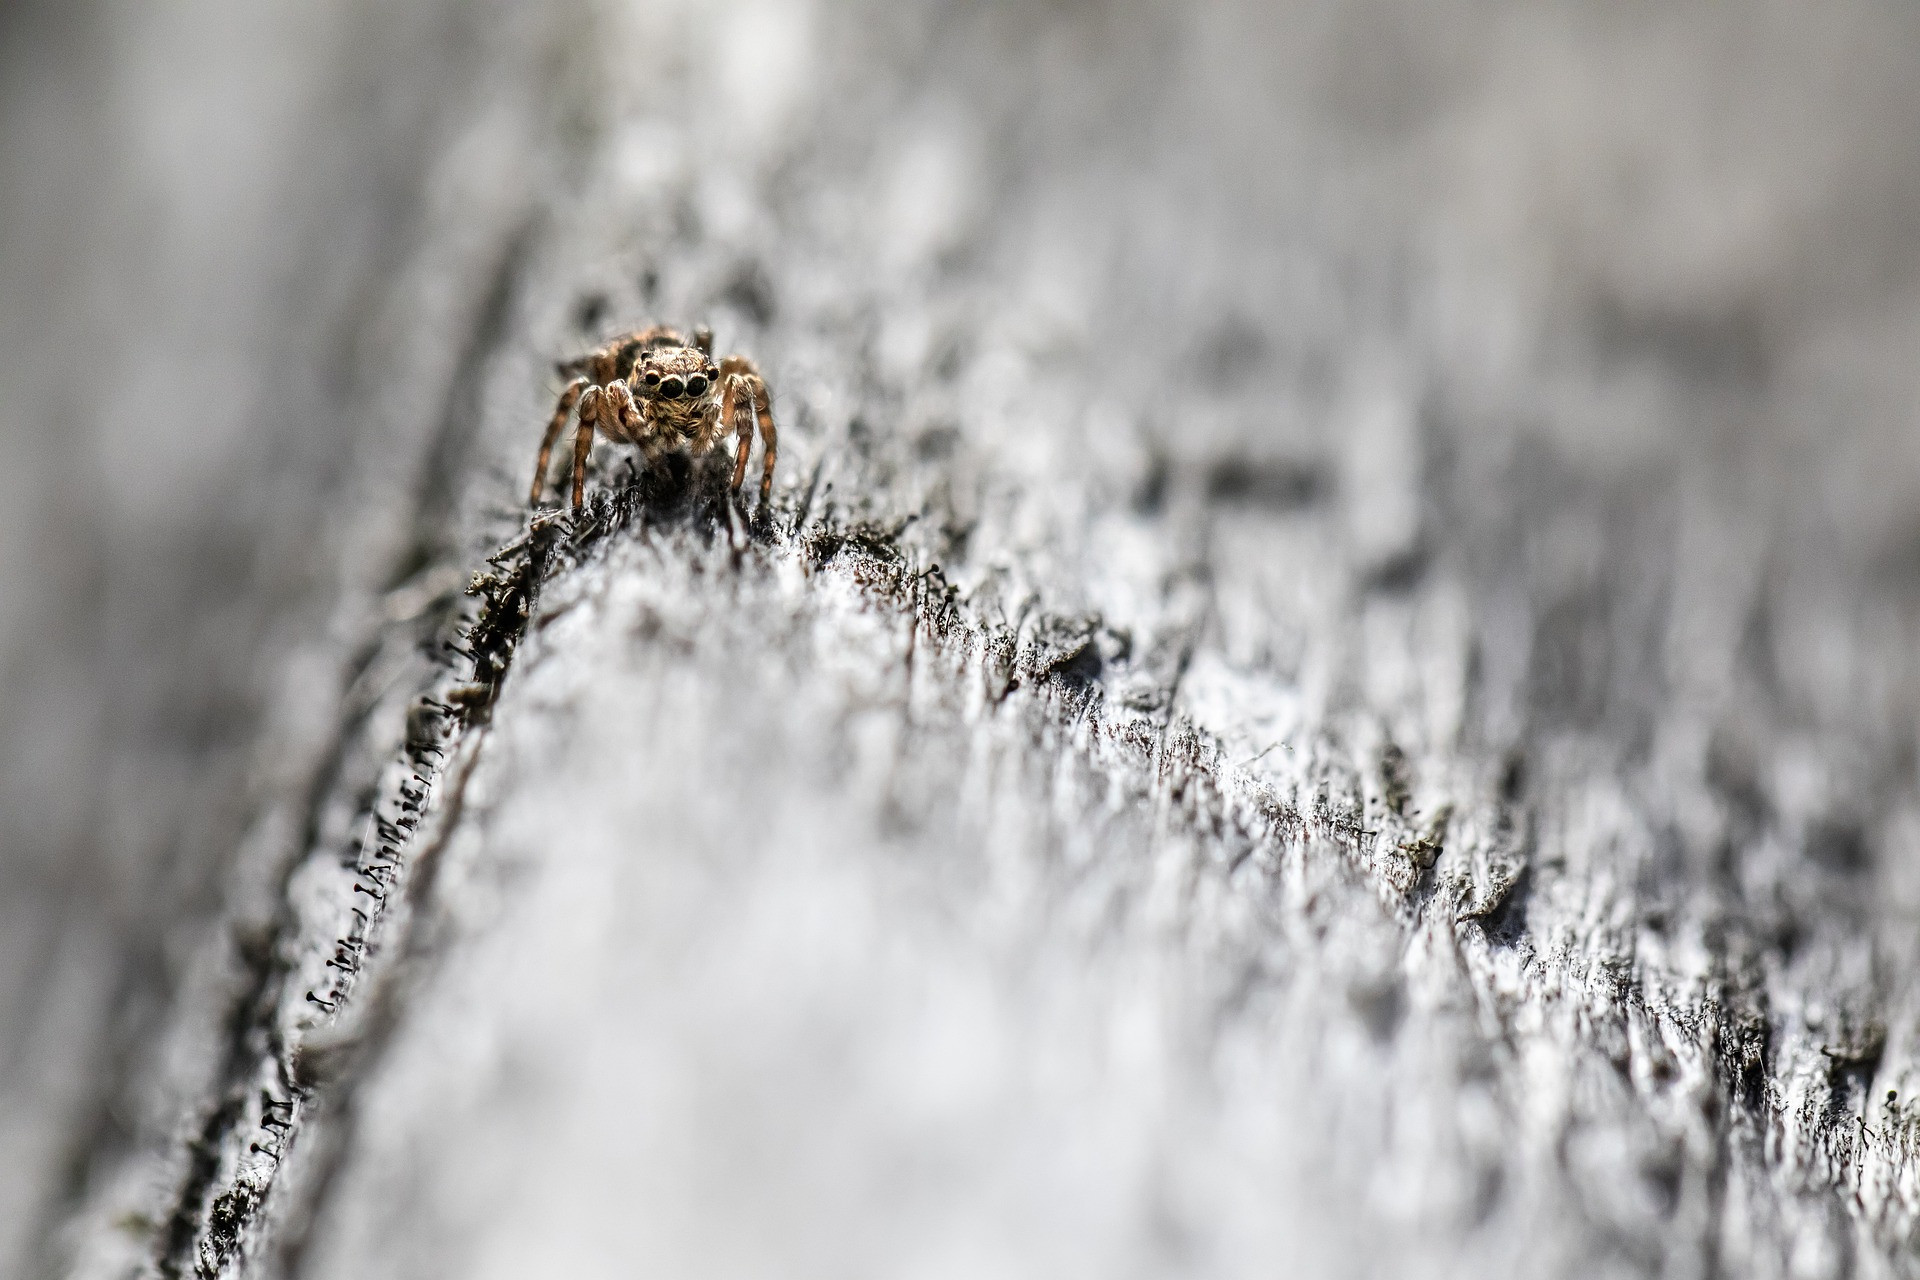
x=656, y=390
x=679, y=391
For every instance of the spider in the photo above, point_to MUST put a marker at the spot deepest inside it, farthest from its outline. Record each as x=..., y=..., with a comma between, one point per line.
x=656, y=389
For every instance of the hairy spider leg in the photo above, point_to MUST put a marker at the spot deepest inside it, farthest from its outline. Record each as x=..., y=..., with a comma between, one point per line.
x=593, y=403
x=744, y=383
x=560, y=413
x=623, y=415
x=769, y=438
x=737, y=415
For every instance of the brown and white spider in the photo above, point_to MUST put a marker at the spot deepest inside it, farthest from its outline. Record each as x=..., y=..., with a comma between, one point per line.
x=655, y=389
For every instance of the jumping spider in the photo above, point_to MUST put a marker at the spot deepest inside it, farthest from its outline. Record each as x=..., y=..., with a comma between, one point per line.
x=655, y=389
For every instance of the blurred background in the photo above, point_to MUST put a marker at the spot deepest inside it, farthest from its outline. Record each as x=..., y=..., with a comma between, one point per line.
x=1648, y=273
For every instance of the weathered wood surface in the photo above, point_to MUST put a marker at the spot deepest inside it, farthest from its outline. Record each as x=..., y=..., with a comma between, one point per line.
x=1328, y=688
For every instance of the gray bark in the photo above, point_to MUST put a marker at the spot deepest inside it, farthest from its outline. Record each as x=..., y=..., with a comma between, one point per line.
x=1328, y=686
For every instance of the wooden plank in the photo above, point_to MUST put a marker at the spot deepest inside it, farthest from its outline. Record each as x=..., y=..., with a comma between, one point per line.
x=1302, y=702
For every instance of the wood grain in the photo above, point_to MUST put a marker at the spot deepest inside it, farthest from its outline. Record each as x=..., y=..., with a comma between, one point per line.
x=1326, y=686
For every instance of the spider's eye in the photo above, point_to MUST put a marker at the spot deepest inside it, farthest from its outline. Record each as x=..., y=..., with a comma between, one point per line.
x=696, y=385
x=652, y=379
x=671, y=388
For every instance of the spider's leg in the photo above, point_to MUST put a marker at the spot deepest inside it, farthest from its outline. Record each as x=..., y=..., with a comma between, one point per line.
x=623, y=415
x=703, y=339
x=560, y=412
x=711, y=428
x=741, y=422
x=592, y=405
x=769, y=438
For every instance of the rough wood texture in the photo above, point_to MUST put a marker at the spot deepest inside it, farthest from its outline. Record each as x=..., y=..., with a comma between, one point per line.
x=1328, y=686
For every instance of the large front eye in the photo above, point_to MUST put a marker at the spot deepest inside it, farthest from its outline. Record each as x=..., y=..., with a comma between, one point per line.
x=671, y=388
x=696, y=385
